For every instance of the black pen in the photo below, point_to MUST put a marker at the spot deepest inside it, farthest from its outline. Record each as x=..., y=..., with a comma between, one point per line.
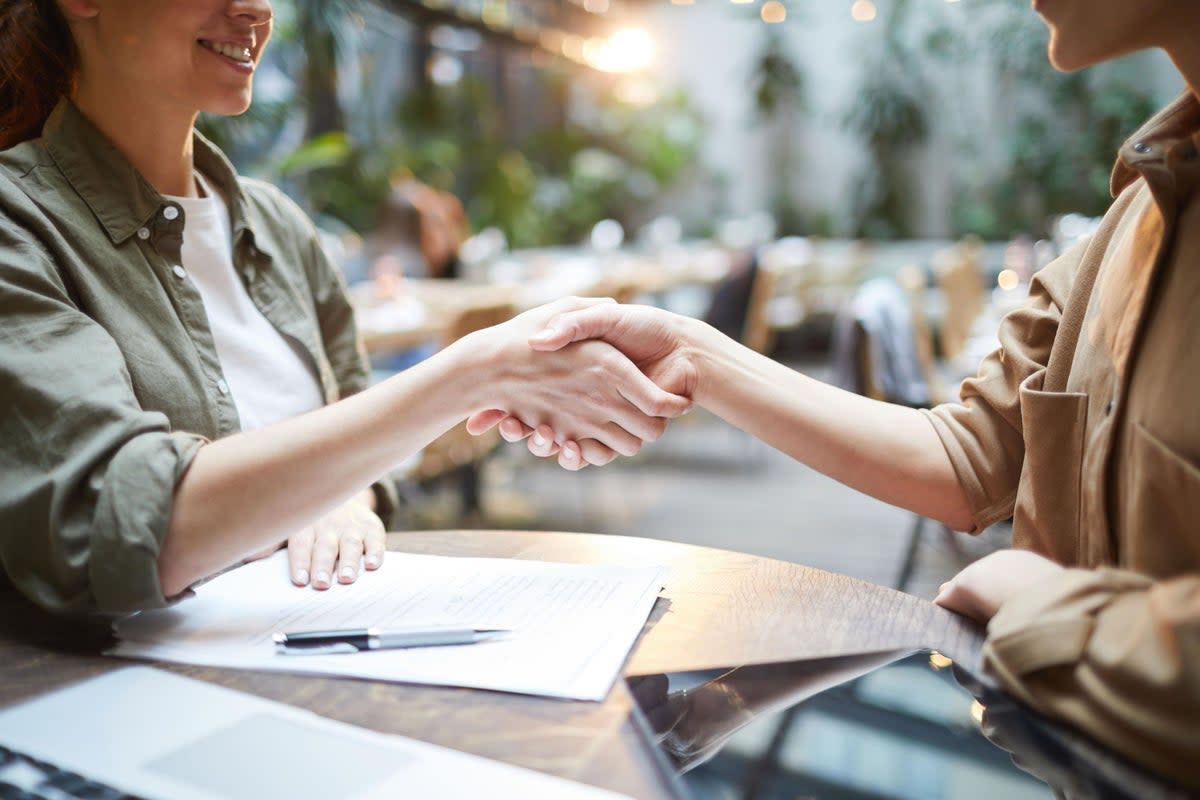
x=354, y=640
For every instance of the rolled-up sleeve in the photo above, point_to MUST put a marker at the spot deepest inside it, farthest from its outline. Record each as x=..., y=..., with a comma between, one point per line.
x=982, y=434
x=1114, y=653
x=87, y=477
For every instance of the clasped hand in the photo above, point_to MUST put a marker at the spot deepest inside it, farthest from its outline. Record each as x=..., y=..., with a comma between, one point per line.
x=647, y=337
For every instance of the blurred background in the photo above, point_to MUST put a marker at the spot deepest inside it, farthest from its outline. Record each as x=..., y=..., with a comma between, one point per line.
x=858, y=188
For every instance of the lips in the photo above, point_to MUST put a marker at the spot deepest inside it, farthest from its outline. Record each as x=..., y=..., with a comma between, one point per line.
x=239, y=53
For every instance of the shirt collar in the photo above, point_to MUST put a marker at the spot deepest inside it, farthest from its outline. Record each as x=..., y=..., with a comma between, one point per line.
x=1177, y=123
x=122, y=200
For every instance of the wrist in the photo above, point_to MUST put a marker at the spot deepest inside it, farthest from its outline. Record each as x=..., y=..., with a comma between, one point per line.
x=702, y=347
x=474, y=365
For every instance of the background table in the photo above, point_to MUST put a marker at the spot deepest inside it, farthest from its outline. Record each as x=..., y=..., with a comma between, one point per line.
x=718, y=608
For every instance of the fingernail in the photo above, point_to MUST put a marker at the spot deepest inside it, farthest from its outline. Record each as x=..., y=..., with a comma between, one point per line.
x=349, y=573
x=321, y=578
x=569, y=455
x=538, y=439
x=371, y=562
x=301, y=577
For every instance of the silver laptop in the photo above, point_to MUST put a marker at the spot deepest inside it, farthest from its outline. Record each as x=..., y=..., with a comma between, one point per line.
x=158, y=735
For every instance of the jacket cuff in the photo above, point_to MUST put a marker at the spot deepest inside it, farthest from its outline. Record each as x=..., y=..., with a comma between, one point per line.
x=132, y=517
x=985, y=512
x=1050, y=623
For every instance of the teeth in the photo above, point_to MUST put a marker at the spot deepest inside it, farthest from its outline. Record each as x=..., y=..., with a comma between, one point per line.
x=236, y=52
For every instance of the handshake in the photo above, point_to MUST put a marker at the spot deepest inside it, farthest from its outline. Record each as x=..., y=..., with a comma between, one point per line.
x=589, y=379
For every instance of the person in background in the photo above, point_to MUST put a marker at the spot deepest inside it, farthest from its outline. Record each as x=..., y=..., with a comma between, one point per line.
x=1082, y=427
x=418, y=232
x=181, y=381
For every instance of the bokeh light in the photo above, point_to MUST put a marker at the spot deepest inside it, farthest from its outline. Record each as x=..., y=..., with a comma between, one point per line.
x=773, y=12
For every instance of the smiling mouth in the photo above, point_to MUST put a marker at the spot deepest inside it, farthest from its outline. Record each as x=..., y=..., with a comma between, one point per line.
x=239, y=54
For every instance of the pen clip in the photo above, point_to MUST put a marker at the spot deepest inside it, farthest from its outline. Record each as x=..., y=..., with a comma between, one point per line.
x=315, y=650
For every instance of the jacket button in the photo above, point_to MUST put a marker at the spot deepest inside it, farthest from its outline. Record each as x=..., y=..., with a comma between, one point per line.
x=143, y=233
x=171, y=212
x=1142, y=147
x=222, y=387
x=179, y=271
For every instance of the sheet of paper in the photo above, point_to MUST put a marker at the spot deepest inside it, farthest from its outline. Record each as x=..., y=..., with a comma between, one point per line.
x=573, y=625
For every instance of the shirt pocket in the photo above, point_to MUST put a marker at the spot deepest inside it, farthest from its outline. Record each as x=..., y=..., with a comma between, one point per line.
x=1054, y=424
x=1162, y=509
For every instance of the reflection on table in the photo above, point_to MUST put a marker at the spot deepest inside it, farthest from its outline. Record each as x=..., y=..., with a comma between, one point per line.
x=890, y=725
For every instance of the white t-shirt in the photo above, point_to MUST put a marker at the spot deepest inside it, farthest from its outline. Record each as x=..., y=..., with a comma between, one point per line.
x=269, y=380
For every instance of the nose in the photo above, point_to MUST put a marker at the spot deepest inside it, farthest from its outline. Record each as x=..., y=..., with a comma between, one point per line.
x=256, y=12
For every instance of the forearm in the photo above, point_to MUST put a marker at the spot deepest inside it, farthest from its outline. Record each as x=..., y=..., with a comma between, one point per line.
x=887, y=451
x=249, y=491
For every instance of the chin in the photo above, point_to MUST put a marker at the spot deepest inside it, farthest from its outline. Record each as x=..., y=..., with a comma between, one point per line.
x=229, y=106
x=1064, y=59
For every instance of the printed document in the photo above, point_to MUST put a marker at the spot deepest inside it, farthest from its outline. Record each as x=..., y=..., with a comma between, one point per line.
x=572, y=625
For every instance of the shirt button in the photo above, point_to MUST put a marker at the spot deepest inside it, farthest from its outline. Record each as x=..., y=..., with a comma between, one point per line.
x=179, y=271
x=1142, y=147
x=171, y=212
x=143, y=233
x=222, y=387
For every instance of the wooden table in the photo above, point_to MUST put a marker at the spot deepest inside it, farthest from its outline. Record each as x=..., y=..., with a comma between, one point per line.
x=717, y=609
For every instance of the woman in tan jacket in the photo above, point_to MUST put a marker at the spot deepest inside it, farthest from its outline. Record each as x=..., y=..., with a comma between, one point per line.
x=1083, y=427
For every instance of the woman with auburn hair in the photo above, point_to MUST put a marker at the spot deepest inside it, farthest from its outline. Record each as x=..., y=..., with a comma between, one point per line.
x=182, y=382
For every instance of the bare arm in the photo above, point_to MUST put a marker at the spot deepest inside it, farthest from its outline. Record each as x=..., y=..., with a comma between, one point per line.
x=252, y=490
x=887, y=451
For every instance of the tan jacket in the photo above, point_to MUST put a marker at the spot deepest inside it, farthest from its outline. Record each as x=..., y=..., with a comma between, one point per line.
x=1084, y=427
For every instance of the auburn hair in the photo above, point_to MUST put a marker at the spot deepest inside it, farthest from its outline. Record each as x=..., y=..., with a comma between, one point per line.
x=37, y=66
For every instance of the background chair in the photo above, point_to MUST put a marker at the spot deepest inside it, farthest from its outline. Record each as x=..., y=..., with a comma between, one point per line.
x=457, y=455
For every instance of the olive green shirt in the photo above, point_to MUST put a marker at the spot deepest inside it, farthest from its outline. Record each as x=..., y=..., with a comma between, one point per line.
x=1084, y=427
x=109, y=376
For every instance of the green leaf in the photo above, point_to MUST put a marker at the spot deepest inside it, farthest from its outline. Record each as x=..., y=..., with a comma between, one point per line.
x=327, y=150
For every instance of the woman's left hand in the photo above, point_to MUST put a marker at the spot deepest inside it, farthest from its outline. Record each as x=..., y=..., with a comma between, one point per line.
x=349, y=535
x=982, y=587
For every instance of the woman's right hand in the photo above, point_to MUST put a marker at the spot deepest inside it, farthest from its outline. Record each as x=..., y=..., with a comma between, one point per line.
x=585, y=392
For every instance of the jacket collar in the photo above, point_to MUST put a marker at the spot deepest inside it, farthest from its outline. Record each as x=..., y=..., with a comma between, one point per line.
x=122, y=200
x=1177, y=123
